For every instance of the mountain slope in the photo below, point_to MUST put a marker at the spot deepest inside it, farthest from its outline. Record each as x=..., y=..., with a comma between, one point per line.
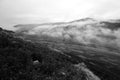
x=26, y=60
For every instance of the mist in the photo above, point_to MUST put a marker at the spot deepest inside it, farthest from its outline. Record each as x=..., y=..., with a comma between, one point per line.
x=86, y=32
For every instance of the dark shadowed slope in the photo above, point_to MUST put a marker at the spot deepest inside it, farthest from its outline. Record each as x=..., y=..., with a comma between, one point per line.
x=26, y=60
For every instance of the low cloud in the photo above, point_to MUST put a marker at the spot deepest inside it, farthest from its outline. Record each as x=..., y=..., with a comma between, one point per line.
x=81, y=32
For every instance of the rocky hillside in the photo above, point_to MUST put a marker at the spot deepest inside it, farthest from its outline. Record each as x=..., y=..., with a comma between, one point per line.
x=26, y=60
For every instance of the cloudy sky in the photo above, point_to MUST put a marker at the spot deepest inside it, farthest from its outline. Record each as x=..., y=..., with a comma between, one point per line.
x=14, y=12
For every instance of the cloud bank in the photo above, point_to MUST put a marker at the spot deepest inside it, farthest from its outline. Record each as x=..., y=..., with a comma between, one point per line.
x=88, y=32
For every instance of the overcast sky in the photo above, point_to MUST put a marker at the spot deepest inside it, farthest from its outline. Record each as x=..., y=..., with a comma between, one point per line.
x=41, y=11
